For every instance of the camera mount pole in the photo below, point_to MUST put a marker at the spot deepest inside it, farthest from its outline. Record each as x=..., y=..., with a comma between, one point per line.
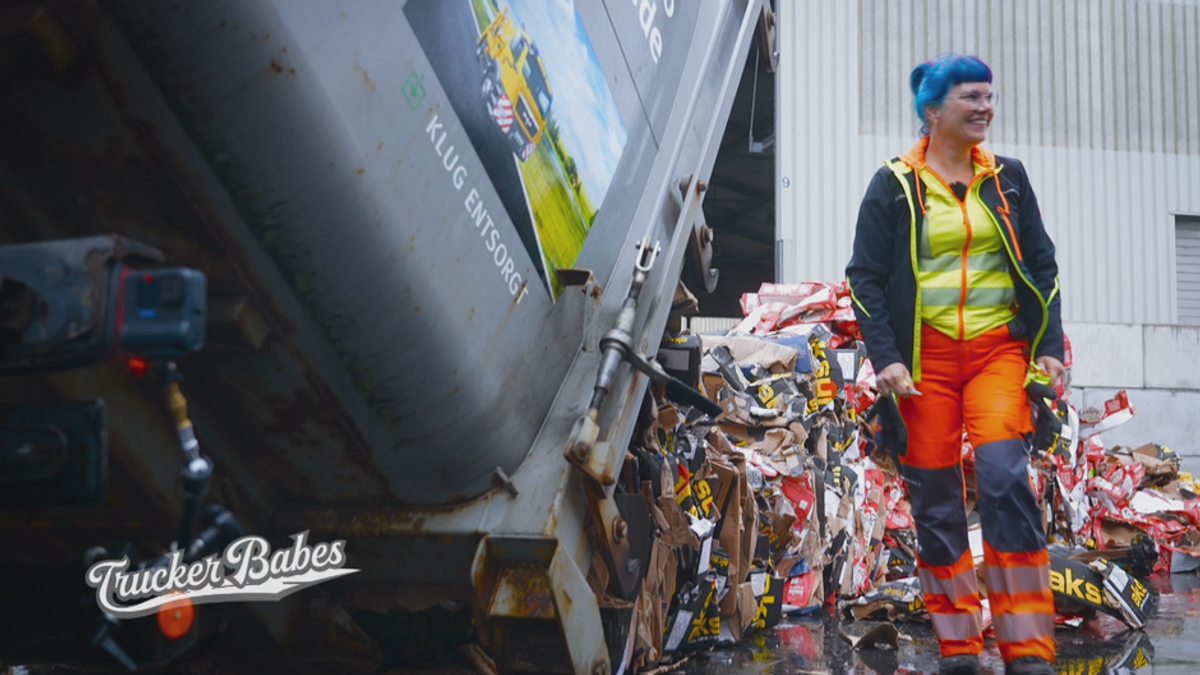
x=197, y=469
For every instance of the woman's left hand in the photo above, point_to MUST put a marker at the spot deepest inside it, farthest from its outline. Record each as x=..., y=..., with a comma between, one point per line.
x=1052, y=367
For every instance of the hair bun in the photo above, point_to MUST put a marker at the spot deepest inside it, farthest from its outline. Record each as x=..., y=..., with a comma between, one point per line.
x=918, y=76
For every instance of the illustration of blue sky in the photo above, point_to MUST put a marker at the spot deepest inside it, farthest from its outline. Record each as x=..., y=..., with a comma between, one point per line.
x=587, y=116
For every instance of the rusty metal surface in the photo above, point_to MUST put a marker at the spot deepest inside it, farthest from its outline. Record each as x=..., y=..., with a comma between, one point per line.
x=535, y=610
x=522, y=592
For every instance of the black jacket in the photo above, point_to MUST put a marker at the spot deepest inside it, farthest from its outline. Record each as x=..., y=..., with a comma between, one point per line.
x=882, y=272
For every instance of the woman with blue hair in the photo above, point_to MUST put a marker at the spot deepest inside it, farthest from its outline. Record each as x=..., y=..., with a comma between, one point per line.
x=955, y=287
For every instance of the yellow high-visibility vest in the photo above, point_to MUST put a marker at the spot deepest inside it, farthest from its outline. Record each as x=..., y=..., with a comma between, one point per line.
x=963, y=275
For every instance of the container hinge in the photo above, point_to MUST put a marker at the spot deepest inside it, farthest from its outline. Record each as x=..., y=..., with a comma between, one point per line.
x=596, y=458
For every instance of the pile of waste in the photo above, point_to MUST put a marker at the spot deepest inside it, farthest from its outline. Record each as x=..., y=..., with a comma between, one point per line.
x=786, y=502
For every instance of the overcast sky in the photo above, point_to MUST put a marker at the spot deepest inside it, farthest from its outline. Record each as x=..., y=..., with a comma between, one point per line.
x=587, y=116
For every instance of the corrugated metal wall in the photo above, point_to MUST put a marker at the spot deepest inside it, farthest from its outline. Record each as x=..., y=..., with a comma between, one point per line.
x=1099, y=99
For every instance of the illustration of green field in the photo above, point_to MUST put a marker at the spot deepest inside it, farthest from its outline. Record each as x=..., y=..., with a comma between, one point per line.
x=481, y=9
x=561, y=227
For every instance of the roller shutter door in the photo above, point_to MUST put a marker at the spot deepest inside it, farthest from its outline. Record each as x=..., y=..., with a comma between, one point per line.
x=1187, y=268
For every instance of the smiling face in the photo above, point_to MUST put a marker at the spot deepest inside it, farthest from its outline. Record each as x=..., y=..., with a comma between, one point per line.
x=965, y=114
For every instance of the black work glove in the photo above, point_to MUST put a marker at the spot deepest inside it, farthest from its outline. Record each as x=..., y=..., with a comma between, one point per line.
x=890, y=433
x=1046, y=424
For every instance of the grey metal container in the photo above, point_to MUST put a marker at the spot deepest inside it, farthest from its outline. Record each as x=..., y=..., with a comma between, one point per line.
x=394, y=358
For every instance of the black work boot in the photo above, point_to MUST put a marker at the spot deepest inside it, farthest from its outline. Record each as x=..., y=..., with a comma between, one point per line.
x=959, y=664
x=1028, y=665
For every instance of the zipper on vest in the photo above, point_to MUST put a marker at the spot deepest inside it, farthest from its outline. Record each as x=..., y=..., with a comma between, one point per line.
x=962, y=205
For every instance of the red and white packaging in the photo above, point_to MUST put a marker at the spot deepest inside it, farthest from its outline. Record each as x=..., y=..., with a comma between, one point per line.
x=1116, y=487
x=798, y=491
x=1117, y=411
x=1063, y=389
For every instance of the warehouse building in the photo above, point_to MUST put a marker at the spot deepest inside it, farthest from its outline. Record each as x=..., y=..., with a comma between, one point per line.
x=1100, y=100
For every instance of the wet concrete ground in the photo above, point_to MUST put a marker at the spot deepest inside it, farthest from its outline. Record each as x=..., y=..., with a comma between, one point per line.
x=810, y=645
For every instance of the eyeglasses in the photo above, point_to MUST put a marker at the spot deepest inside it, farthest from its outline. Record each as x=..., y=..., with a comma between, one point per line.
x=977, y=99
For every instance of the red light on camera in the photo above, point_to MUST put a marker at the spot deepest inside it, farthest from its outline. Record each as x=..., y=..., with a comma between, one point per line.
x=138, y=367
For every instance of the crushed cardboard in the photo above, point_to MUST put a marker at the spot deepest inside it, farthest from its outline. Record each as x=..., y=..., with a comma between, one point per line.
x=883, y=636
x=786, y=502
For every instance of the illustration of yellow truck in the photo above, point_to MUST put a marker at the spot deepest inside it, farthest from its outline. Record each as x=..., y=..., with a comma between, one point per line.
x=515, y=88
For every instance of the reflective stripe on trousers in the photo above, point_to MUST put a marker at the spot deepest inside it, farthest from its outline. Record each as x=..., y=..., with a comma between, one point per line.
x=952, y=598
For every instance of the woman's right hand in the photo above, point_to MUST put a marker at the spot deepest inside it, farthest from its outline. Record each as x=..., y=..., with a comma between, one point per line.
x=895, y=379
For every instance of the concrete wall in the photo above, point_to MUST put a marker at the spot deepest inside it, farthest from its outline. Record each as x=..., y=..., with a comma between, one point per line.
x=1158, y=366
x=1163, y=416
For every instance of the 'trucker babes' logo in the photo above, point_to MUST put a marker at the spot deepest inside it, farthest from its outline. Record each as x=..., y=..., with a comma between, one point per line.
x=247, y=570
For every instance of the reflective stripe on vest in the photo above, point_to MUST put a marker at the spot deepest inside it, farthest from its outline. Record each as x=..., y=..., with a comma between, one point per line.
x=951, y=233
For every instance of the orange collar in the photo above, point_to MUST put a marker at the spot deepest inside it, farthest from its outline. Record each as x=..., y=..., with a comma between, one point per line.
x=915, y=158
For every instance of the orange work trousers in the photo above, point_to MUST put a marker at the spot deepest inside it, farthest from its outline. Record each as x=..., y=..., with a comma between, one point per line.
x=977, y=385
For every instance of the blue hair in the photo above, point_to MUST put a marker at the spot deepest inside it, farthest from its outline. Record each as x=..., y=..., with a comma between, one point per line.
x=932, y=80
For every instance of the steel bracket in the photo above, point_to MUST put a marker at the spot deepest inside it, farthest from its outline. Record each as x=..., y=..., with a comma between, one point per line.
x=532, y=583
